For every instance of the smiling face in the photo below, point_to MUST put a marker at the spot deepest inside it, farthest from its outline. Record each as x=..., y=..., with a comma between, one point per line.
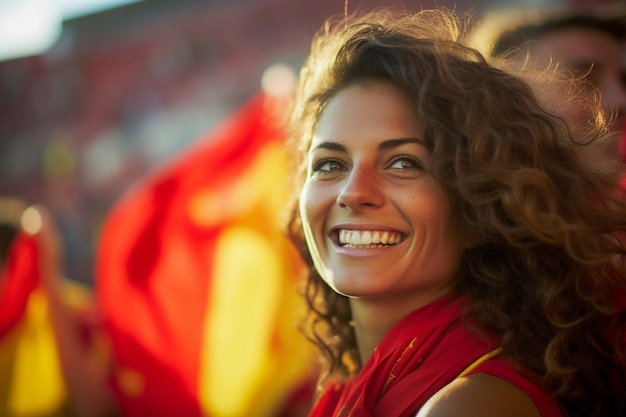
x=376, y=221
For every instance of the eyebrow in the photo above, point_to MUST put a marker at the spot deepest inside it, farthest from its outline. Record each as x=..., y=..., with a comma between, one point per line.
x=394, y=143
x=385, y=145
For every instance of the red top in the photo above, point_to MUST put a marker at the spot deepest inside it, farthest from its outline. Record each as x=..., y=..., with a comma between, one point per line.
x=421, y=354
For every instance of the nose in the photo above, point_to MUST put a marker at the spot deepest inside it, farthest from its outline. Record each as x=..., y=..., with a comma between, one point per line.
x=360, y=190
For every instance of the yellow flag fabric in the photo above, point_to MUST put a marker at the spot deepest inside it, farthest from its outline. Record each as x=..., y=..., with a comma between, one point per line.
x=31, y=382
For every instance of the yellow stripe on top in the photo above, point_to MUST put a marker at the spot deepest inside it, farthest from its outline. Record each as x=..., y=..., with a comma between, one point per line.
x=480, y=360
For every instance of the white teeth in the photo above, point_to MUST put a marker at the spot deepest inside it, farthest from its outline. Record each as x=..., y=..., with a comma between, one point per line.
x=367, y=237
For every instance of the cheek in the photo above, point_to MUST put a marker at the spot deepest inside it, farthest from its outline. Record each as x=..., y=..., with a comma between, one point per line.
x=314, y=201
x=303, y=203
x=437, y=215
x=309, y=212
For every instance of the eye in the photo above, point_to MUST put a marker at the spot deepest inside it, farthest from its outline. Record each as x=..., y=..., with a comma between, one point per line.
x=326, y=166
x=405, y=162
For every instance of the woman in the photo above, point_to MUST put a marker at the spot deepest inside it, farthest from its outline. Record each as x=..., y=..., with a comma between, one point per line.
x=462, y=253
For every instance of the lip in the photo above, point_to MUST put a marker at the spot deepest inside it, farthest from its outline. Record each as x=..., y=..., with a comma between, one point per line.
x=364, y=226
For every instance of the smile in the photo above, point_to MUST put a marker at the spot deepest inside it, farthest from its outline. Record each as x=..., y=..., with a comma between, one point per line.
x=368, y=238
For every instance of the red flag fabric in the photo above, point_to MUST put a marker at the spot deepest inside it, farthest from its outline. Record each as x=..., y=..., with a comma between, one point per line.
x=421, y=354
x=197, y=284
x=18, y=278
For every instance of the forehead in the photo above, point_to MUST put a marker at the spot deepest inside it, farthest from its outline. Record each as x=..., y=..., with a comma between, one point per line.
x=371, y=109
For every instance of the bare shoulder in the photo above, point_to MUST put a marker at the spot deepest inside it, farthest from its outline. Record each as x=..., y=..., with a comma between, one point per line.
x=479, y=395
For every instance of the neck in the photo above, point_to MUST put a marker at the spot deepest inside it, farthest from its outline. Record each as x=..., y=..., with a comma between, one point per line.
x=370, y=326
x=374, y=318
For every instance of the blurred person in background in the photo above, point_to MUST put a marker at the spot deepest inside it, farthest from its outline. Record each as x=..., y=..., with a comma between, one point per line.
x=53, y=359
x=587, y=43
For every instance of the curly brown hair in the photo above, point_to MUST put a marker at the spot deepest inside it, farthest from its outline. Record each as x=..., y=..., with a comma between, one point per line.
x=544, y=268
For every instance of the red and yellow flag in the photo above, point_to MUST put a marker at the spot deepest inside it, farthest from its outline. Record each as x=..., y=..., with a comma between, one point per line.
x=198, y=285
x=32, y=382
